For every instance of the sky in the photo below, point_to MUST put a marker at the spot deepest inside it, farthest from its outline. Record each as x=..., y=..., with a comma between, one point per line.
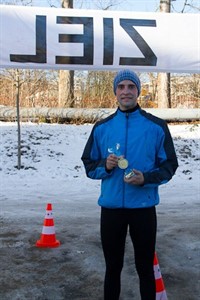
x=129, y=5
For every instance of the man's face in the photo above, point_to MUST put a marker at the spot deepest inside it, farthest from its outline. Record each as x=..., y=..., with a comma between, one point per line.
x=127, y=94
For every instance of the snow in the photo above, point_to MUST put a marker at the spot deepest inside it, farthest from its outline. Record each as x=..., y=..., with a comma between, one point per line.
x=52, y=168
x=52, y=172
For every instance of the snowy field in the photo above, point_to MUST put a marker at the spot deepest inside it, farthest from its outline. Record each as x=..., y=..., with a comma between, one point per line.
x=52, y=172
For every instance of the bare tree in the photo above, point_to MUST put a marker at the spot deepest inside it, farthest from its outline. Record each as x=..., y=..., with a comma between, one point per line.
x=18, y=84
x=190, y=5
x=39, y=88
x=66, y=77
x=99, y=90
x=18, y=81
x=164, y=95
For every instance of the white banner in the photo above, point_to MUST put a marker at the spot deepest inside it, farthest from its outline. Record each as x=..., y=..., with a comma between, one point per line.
x=52, y=38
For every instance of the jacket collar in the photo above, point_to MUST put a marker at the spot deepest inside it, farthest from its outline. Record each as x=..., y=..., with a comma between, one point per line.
x=130, y=110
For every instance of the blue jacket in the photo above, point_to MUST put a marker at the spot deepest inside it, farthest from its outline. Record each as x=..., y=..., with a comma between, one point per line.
x=146, y=142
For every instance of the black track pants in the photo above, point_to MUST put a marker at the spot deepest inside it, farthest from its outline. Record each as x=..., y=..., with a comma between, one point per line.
x=142, y=228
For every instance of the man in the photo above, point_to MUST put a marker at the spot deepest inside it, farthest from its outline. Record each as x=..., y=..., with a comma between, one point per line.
x=132, y=152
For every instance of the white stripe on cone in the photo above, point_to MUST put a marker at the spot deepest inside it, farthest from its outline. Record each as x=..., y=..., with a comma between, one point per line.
x=48, y=230
x=49, y=214
x=161, y=296
x=157, y=272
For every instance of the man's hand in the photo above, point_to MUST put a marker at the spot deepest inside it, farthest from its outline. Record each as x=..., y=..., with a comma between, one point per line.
x=111, y=162
x=137, y=179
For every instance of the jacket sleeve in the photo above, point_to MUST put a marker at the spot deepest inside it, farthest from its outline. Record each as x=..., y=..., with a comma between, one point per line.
x=166, y=161
x=94, y=163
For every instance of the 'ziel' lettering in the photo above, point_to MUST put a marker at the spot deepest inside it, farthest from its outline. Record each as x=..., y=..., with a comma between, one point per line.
x=87, y=39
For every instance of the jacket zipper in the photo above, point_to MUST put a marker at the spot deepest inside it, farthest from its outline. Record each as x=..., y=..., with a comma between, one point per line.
x=125, y=153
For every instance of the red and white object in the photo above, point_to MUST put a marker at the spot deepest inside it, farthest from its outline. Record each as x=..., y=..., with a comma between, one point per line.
x=48, y=236
x=160, y=288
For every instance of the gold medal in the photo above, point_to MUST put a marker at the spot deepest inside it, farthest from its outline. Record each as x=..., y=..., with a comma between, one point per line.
x=122, y=163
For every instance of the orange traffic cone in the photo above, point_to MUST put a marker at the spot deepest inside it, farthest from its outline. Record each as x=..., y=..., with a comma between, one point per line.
x=160, y=288
x=48, y=237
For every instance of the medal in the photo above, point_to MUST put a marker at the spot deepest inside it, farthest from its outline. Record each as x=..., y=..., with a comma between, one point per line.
x=122, y=163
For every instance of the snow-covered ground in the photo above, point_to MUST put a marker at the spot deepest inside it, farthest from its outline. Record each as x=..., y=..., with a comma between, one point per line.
x=52, y=172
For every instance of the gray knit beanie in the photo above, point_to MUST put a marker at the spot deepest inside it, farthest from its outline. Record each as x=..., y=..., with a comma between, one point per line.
x=126, y=75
